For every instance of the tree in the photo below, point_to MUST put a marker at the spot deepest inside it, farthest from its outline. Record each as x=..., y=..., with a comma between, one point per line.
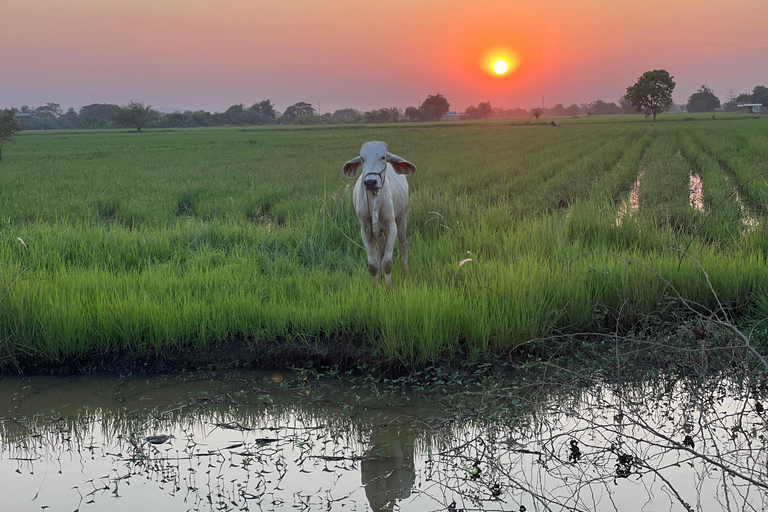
x=383, y=115
x=134, y=114
x=70, y=119
x=49, y=111
x=346, y=114
x=105, y=111
x=236, y=114
x=262, y=112
x=415, y=114
x=601, y=108
x=558, y=110
x=703, y=100
x=536, y=113
x=652, y=94
x=435, y=107
x=573, y=110
x=296, y=112
x=760, y=95
x=517, y=112
x=483, y=111
x=8, y=127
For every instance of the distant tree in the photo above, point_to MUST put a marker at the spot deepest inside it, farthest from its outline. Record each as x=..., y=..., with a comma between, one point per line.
x=415, y=114
x=652, y=94
x=473, y=112
x=573, y=110
x=8, y=127
x=296, y=112
x=601, y=108
x=536, y=113
x=201, y=118
x=235, y=114
x=383, y=115
x=703, y=100
x=134, y=114
x=760, y=95
x=483, y=111
x=70, y=119
x=729, y=105
x=105, y=111
x=347, y=115
x=49, y=111
x=262, y=112
x=517, y=112
x=558, y=110
x=435, y=107
x=626, y=106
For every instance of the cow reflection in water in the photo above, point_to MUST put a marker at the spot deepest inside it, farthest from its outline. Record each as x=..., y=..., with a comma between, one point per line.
x=388, y=473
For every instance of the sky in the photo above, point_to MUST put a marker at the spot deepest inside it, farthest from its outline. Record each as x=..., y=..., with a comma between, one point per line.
x=209, y=55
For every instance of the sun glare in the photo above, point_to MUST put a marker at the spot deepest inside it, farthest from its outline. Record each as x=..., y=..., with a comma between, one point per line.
x=500, y=62
x=500, y=67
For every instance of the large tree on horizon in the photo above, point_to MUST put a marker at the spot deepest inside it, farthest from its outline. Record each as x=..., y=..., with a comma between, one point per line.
x=435, y=107
x=134, y=114
x=703, y=100
x=652, y=94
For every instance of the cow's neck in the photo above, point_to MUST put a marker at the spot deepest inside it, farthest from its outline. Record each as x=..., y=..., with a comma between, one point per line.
x=374, y=206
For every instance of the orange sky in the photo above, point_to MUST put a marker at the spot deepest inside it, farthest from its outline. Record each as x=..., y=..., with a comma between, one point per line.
x=201, y=54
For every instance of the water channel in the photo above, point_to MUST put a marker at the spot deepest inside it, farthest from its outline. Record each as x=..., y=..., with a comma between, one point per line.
x=262, y=441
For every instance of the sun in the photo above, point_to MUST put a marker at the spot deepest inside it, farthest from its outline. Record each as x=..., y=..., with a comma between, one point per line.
x=500, y=66
x=500, y=62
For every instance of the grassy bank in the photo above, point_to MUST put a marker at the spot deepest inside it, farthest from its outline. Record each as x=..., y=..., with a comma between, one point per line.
x=160, y=242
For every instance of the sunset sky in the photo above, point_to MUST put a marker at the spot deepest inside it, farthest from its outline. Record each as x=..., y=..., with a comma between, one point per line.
x=201, y=54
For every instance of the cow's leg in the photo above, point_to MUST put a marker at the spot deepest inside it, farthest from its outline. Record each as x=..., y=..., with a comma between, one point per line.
x=370, y=251
x=386, y=255
x=402, y=243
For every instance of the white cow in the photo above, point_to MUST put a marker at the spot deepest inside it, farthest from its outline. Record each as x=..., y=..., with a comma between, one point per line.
x=381, y=204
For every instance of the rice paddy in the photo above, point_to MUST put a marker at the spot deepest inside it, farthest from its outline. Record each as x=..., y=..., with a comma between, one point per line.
x=151, y=243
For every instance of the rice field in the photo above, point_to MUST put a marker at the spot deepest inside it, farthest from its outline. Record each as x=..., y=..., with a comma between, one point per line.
x=113, y=242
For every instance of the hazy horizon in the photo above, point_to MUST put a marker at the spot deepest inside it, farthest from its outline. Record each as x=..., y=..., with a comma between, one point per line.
x=343, y=53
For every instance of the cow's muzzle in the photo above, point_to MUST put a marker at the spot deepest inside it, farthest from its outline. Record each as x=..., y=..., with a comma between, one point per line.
x=373, y=184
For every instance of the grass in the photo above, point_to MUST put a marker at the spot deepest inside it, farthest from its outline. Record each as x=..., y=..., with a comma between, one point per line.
x=151, y=243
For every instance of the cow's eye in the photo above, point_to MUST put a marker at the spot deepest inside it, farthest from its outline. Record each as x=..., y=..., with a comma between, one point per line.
x=383, y=158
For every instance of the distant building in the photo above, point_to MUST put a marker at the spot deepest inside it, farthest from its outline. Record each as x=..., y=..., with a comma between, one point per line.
x=25, y=118
x=753, y=108
x=452, y=115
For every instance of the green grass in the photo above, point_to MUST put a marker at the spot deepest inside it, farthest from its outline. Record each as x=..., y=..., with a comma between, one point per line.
x=144, y=243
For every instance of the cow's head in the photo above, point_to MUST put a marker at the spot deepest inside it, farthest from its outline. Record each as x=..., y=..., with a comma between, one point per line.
x=374, y=158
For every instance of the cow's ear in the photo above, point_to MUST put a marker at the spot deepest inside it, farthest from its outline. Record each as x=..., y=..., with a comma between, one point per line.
x=400, y=165
x=350, y=168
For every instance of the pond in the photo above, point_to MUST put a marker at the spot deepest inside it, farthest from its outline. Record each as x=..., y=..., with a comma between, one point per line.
x=268, y=441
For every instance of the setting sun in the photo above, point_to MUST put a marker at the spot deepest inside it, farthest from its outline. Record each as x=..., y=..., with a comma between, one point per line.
x=500, y=62
x=500, y=67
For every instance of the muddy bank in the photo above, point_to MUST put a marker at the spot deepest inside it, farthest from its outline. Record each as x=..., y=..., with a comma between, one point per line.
x=688, y=346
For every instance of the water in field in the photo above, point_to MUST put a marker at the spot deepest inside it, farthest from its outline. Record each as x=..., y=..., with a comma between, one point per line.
x=695, y=194
x=632, y=203
x=261, y=442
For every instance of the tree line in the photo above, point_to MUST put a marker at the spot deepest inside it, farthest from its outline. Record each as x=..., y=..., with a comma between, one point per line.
x=639, y=98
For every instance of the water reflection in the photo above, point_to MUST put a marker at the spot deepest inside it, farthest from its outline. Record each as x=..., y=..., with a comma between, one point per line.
x=387, y=469
x=248, y=443
x=695, y=193
x=632, y=203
